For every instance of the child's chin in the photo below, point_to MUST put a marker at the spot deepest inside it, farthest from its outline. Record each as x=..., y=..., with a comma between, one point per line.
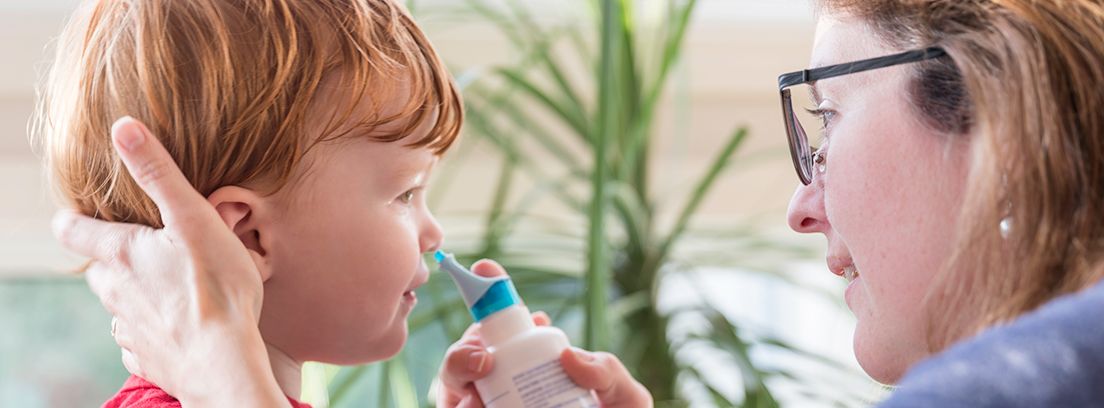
x=376, y=349
x=387, y=346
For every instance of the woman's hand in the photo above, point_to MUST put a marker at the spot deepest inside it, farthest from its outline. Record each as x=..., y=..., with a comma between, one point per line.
x=467, y=360
x=187, y=297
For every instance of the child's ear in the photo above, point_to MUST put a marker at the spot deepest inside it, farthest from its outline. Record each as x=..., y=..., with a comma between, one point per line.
x=238, y=208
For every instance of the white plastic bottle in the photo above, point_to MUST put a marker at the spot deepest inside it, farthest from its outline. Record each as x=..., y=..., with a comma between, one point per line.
x=526, y=371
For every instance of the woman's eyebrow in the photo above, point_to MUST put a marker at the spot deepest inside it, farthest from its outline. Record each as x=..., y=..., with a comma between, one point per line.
x=814, y=92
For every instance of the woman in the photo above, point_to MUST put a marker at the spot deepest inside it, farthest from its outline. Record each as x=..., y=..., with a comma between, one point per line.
x=959, y=182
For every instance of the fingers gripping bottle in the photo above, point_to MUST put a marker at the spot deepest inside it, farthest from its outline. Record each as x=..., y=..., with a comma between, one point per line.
x=526, y=371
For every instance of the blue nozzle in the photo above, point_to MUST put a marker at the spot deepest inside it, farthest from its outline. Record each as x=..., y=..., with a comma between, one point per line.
x=484, y=296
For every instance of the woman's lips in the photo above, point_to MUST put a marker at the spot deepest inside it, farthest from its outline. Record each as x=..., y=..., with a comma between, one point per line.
x=837, y=263
x=850, y=291
x=850, y=273
x=845, y=268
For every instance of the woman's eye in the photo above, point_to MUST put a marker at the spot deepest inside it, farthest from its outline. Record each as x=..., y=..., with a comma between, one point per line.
x=407, y=197
x=825, y=116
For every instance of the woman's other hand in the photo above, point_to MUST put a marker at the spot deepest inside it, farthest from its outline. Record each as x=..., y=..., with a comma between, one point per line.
x=187, y=297
x=467, y=360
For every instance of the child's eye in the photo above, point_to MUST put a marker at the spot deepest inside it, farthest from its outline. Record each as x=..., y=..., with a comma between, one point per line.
x=407, y=197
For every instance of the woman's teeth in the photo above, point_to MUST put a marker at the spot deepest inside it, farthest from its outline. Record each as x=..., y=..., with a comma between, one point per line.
x=850, y=273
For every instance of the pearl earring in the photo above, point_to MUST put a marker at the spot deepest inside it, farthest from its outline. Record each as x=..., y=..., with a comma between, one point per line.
x=1006, y=222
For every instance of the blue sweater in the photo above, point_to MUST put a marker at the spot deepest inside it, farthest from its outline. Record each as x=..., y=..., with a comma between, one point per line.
x=1051, y=357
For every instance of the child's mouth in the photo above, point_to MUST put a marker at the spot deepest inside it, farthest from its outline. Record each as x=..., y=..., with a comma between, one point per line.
x=420, y=279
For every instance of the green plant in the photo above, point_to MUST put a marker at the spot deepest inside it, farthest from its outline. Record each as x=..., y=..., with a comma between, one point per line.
x=598, y=266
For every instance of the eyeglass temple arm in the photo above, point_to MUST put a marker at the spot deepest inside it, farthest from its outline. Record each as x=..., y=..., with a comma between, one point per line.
x=816, y=74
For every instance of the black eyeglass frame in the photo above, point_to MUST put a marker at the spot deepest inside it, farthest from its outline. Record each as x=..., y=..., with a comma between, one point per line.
x=803, y=158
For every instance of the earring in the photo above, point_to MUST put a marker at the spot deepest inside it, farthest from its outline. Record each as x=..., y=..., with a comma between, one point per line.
x=1006, y=222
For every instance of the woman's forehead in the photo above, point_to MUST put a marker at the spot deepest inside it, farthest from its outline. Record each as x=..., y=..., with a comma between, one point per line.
x=841, y=38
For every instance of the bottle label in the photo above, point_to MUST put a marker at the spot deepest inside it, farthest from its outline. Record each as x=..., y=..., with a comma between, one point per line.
x=548, y=386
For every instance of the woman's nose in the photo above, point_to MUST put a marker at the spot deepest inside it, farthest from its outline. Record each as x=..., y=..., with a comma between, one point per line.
x=806, y=212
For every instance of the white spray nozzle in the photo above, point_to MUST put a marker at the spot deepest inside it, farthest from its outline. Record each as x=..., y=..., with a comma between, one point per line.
x=484, y=296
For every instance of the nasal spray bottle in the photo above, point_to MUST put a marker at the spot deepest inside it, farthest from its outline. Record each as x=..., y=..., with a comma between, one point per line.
x=526, y=371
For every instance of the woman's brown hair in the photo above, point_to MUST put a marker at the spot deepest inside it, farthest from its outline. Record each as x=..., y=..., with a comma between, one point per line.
x=228, y=87
x=1024, y=80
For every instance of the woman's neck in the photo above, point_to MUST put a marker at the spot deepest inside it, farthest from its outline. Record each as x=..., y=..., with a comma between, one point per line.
x=288, y=372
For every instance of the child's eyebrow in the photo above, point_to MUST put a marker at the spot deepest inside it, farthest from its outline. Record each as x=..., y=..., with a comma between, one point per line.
x=413, y=169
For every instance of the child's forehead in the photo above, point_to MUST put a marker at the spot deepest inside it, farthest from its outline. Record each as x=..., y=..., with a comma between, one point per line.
x=386, y=162
x=362, y=95
x=418, y=165
x=387, y=109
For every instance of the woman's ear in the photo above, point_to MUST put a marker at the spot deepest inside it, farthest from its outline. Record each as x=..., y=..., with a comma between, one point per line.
x=238, y=208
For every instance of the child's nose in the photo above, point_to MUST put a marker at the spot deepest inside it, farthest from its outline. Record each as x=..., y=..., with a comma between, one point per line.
x=431, y=236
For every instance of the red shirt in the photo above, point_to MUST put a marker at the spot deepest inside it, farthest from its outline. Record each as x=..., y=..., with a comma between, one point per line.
x=139, y=393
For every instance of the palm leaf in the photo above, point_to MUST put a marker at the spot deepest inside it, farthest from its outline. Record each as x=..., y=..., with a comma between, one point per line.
x=702, y=188
x=596, y=266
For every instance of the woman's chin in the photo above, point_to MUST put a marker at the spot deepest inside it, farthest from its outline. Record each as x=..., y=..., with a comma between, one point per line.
x=882, y=364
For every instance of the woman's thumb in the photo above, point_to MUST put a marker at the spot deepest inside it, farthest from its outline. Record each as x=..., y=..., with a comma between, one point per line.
x=607, y=376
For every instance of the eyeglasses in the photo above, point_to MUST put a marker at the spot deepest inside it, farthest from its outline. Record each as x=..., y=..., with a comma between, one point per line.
x=804, y=157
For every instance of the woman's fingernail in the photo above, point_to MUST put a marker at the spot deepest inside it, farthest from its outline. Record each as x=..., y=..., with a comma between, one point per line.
x=476, y=361
x=130, y=137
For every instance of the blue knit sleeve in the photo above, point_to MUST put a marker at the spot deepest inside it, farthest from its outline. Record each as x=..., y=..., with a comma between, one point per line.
x=1052, y=357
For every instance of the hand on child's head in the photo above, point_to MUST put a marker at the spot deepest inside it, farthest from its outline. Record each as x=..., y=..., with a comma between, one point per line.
x=135, y=265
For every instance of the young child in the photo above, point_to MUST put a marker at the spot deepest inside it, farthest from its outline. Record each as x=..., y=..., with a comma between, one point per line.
x=312, y=127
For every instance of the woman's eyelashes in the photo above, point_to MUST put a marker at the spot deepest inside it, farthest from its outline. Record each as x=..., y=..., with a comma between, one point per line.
x=824, y=115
